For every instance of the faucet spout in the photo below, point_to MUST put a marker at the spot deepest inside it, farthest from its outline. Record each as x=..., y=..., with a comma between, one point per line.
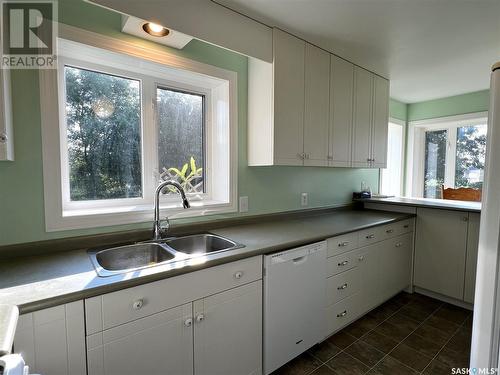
x=159, y=231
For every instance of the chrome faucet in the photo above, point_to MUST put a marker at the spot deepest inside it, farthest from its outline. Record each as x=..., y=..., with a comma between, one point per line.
x=160, y=231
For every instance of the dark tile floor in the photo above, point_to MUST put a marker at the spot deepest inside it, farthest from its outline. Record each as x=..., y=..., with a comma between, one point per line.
x=409, y=334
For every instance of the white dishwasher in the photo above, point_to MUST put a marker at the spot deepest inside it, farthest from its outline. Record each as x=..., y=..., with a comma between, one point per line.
x=294, y=303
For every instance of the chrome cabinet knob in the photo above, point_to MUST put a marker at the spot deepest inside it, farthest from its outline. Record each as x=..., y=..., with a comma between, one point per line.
x=238, y=275
x=361, y=258
x=137, y=305
x=200, y=318
x=389, y=231
x=188, y=322
x=343, y=244
x=342, y=314
x=370, y=236
x=399, y=244
x=465, y=218
x=344, y=263
x=342, y=287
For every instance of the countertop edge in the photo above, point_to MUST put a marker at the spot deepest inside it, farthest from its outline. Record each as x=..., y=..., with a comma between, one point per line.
x=144, y=279
x=8, y=322
x=426, y=204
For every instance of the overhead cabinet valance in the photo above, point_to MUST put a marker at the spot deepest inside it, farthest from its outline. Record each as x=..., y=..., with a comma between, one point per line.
x=312, y=108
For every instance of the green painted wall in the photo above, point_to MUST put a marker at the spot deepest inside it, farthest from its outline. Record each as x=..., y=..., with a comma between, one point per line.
x=454, y=105
x=270, y=189
x=398, y=110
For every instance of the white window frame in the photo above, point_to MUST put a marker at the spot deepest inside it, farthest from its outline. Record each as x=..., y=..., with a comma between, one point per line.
x=403, y=125
x=156, y=68
x=416, y=148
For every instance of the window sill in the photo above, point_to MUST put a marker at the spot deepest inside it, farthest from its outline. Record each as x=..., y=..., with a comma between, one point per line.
x=98, y=217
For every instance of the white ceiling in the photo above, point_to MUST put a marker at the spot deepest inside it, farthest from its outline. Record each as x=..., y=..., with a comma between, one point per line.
x=428, y=48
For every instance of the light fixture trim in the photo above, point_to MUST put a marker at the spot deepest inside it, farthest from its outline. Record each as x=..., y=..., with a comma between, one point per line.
x=155, y=29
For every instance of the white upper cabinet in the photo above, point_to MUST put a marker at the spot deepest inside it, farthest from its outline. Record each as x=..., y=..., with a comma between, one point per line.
x=341, y=87
x=362, y=127
x=312, y=108
x=289, y=55
x=380, y=122
x=316, y=116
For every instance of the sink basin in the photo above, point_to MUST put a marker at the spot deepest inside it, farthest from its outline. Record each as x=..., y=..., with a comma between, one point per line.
x=122, y=259
x=130, y=257
x=199, y=244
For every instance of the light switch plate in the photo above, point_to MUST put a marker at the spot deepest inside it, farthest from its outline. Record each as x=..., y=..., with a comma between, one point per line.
x=243, y=204
x=304, y=199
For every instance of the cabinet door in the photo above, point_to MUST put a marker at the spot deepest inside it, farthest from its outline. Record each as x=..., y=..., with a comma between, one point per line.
x=158, y=344
x=317, y=87
x=440, y=248
x=471, y=260
x=341, y=91
x=369, y=261
x=228, y=332
x=288, y=98
x=52, y=341
x=362, y=127
x=395, y=270
x=380, y=122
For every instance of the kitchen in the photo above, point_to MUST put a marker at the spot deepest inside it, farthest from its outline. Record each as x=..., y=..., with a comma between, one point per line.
x=251, y=142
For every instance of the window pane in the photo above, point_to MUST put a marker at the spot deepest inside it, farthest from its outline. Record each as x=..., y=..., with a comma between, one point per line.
x=471, y=152
x=435, y=159
x=392, y=175
x=180, y=138
x=103, y=119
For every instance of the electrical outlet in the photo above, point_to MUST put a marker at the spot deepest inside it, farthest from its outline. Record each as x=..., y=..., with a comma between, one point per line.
x=243, y=204
x=304, y=199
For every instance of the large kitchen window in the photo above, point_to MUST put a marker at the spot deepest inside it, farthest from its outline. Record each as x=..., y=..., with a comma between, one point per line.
x=125, y=123
x=447, y=152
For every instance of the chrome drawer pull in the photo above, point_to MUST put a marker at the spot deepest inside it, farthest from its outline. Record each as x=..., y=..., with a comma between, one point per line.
x=361, y=258
x=238, y=275
x=344, y=263
x=342, y=314
x=342, y=287
x=345, y=243
x=370, y=236
x=399, y=244
x=188, y=322
x=389, y=231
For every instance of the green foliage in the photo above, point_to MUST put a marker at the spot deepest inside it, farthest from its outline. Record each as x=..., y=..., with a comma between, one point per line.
x=471, y=152
x=103, y=130
x=185, y=178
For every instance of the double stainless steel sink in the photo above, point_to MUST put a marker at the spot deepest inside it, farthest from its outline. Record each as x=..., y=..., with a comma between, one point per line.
x=122, y=259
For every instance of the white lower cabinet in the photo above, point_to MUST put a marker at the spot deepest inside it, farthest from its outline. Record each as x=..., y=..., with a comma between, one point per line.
x=363, y=278
x=440, y=251
x=217, y=328
x=155, y=345
x=228, y=332
x=52, y=341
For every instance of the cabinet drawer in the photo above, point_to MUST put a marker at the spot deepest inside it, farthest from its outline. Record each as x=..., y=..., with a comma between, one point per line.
x=340, y=263
x=341, y=244
x=342, y=286
x=110, y=310
x=371, y=235
x=405, y=226
x=389, y=231
x=342, y=313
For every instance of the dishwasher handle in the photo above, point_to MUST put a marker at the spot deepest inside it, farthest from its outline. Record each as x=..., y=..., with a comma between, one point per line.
x=300, y=260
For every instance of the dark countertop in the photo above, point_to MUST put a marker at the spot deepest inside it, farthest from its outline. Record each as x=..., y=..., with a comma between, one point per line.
x=41, y=281
x=428, y=203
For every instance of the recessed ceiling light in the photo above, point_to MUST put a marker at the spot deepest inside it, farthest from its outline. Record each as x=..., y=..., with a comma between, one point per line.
x=154, y=29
